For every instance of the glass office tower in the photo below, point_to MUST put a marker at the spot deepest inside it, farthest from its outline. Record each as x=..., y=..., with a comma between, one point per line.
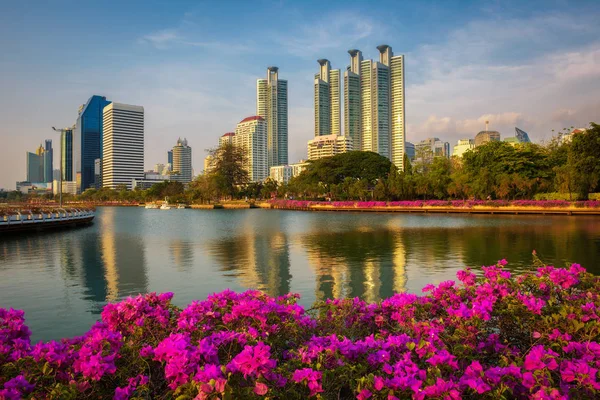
x=66, y=155
x=87, y=141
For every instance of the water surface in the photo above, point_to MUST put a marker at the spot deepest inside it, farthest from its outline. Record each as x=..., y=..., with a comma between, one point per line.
x=63, y=278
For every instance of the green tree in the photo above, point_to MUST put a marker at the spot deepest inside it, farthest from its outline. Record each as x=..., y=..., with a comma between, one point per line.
x=584, y=160
x=320, y=176
x=228, y=168
x=269, y=188
x=203, y=189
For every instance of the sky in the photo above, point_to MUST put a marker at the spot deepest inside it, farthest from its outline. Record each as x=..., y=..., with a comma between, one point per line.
x=193, y=65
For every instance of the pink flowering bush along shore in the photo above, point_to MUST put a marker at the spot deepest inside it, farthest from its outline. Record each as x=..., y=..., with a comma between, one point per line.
x=294, y=204
x=487, y=336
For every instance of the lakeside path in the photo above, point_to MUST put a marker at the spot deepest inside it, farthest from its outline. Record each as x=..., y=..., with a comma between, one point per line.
x=542, y=208
x=517, y=207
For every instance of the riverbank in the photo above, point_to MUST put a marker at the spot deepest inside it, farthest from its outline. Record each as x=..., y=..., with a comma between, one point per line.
x=539, y=207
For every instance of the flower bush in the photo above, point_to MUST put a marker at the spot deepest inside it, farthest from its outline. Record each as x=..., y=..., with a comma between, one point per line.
x=295, y=204
x=490, y=335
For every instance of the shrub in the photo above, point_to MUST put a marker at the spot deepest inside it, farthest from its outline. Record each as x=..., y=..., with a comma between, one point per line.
x=489, y=336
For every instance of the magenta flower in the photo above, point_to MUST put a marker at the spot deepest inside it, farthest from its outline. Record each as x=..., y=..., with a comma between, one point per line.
x=311, y=378
x=260, y=389
x=253, y=361
x=540, y=358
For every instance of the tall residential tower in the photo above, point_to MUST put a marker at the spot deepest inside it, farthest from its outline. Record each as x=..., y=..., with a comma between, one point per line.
x=374, y=104
x=352, y=99
x=272, y=105
x=327, y=100
x=182, y=161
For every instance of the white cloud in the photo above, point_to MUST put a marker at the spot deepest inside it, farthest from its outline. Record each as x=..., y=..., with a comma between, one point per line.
x=454, y=86
x=330, y=33
x=161, y=39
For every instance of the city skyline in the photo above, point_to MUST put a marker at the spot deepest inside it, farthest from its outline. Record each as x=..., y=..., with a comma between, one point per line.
x=175, y=61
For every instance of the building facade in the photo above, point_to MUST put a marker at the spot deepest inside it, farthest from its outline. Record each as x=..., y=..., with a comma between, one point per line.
x=486, y=136
x=48, y=161
x=429, y=148
x=272, y=106
x=520, y=137
x=35, y=166
x=98, y=173
x=251, y=136
x=227, y=138
x=182, y=161
x=352, y=103
x=208, y=163
x=327, y=100
x=66, y=154
x=123, y=145
x=409, y=149
x=327, y=146
x=283, y=173
x=463, y=146
x=87, y=141
x=375, y=104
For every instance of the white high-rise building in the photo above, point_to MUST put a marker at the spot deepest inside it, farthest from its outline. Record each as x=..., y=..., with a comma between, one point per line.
x=328, y=145
x=352, y=120
x=327, y=100
x=251, y=136
x=374, y=104
x=463, y=146
x=272, y=105
x=122, y=145
x=182, y=162
x=283, y=173
x=226, y=138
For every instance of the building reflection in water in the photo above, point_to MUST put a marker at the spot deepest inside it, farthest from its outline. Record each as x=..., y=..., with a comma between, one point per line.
x=365, y=262
x=115, y=266
x=182, y=254
x=258, y=259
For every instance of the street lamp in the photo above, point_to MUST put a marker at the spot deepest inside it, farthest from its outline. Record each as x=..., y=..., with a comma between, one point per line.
x=62, y=132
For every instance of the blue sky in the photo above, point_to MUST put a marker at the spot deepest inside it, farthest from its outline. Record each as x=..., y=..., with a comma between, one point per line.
x=193, y=65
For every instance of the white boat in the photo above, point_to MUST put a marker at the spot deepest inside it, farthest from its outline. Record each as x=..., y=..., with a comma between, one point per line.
x=180, y=206
x=151, y=205
x=166, y=205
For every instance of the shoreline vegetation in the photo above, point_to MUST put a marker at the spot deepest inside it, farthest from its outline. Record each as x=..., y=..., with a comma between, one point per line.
x=489, y=335
x=567, y=170
x=542, y=207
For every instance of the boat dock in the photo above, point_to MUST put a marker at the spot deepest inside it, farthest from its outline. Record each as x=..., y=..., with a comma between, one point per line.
x=35, y=220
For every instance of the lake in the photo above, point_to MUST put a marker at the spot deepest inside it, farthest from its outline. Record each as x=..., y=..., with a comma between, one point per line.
x=62, y=279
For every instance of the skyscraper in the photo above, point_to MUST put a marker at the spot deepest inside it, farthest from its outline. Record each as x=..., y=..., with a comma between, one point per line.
x=398, y=126
x=39, y=164
x=122, y=145
x=251, y=136
x=66, y=154
x=48, y=161
x=374, y=104
x=87, y=141
x=272, y=105
x=182, y=161
x=35, y=166
x=352, y=99
x=327, y=100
